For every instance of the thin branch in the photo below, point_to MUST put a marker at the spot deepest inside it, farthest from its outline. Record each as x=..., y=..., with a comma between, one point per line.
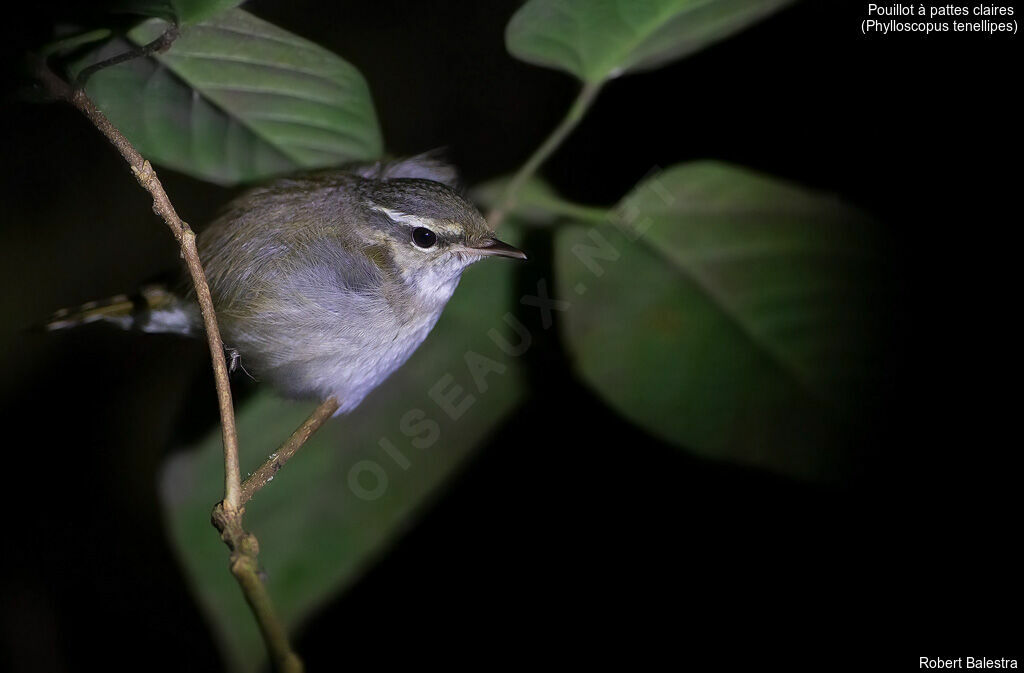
x=244, y=546
x=244, y=549
x=186, y=238
x=160, y=44
x=265, y=474
x=579, y=108
x=227, y=515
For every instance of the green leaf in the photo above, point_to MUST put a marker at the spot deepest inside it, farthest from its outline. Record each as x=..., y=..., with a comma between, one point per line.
x=731, y=313
x=317, y=532
x=182, y=11
x=536, y=203
x=238, y=99
x=599, y=39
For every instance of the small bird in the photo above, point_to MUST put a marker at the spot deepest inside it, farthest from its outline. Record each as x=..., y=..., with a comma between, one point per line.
x=324, y=283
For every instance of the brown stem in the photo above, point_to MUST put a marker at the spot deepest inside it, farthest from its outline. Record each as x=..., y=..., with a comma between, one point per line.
x=162, y=43
x=227, y=515
x=262, y=476
x=244, y=566
x=147, y=177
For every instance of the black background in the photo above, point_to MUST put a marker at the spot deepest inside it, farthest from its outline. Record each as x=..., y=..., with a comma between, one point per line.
x=571, y=537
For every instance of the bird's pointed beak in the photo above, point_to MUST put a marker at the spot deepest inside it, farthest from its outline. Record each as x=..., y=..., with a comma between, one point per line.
x=492, y=246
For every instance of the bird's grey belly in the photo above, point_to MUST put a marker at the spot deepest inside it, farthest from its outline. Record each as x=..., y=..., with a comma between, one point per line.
x=316, y=357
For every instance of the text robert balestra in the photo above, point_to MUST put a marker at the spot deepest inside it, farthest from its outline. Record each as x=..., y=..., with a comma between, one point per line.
x=965, y=662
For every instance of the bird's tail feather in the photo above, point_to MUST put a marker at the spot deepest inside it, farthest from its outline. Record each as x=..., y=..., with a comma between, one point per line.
x=153, y=309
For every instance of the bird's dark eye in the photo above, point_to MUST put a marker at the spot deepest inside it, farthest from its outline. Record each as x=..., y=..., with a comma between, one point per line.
x=423, y=237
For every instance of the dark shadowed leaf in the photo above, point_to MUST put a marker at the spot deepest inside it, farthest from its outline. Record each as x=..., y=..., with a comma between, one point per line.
x=359, y=482
x=238, y=99
x=599, y=39
x=182, y=11
x=729, y=312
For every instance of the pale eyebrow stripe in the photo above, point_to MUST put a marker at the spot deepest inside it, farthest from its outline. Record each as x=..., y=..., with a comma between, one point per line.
x=414, y=221
x=404, y=218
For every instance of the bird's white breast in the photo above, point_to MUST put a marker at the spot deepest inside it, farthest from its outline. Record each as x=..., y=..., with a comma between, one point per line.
x=348, y=348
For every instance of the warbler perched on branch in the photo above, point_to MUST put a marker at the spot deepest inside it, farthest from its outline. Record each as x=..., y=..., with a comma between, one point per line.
x=324, y=283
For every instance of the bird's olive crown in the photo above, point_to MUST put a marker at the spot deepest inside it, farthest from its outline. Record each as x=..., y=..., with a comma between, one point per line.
x=429, y=212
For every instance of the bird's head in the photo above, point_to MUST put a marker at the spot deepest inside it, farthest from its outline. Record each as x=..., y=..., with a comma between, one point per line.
x=428, y=229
